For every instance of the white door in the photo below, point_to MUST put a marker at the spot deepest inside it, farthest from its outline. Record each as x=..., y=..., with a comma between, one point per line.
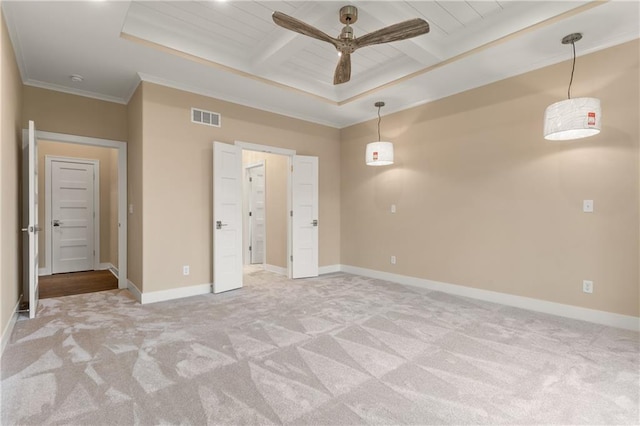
x=30, y=217
x=304, y=202
x=73, y=216
x=227, y=217
x=257, y=214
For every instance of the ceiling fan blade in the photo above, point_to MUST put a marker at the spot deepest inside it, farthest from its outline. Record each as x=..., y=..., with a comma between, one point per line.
x=293, y=24
x=343, y=70
x=401, y=31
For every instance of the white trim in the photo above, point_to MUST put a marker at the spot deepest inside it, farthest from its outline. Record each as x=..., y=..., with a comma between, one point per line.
x=122, y=188
x=175, y=293
x=329, y=269
x=43, y=272
x=265, y=148
x=48, y=199
x=103, y=266
x=275, y=269
x=8, y=329
x=133, y=289
x=237, y=100
x=552, y=308
x=73, y=91
x=113, y=270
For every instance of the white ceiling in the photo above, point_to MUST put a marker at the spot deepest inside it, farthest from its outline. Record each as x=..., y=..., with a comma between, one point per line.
x=233, y=51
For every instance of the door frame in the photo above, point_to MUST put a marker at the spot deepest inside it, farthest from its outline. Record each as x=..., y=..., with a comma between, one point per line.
x=247, y=220
x=121, y=146
x=289, y=153
x=48, y=199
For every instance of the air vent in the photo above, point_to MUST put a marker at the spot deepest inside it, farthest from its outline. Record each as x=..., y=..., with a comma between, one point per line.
x=208, y=118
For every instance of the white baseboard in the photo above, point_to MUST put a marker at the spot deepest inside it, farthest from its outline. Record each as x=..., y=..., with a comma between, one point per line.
x=175, y=293
x=552, y=308
x=6, y=333
x=137, y=294
x=114, y=271
x=43, y=272
x=329, y=269
x=276, y=269
x=104, y=266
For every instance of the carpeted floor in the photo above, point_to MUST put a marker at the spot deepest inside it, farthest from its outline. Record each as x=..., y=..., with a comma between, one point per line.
x=335, y=350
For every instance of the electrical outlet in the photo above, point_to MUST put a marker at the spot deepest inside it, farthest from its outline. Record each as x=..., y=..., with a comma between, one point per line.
x=587, y=206
x=393, y=260
x=185, y=270
x=393, y=208
x=587, y=286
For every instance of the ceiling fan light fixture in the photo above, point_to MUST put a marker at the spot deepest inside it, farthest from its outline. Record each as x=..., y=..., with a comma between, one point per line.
x=572, y=118
x=379, y=153
x=346, y=43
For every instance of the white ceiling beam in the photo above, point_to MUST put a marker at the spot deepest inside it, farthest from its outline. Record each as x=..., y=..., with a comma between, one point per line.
x=282, y=44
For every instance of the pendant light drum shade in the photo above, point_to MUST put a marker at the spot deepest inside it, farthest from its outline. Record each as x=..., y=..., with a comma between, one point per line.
x=379, y=154
x=572, y=119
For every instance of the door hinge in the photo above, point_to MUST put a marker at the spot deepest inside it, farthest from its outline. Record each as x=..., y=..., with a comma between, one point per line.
x=249, y=213
x=249, y=248
x=250, y=179
x=291, y=213
x=292, y=258
x=291, y=169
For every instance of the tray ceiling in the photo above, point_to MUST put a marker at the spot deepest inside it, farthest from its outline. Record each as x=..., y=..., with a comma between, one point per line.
x=233, y=51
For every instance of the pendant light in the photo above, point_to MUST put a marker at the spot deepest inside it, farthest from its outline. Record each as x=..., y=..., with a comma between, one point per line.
x=379, y=153
x=572, y=118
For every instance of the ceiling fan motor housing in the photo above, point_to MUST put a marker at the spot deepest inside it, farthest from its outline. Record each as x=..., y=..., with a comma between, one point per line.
x=348, y=15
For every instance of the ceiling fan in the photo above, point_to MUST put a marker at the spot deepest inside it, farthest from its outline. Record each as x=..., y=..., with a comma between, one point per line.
x=346, y=43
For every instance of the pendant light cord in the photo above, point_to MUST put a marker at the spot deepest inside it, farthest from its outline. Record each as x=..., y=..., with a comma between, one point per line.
x=573, y=68
x=379, y=123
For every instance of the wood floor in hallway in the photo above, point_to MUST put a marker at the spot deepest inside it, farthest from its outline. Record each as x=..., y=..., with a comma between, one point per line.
x=76, y=283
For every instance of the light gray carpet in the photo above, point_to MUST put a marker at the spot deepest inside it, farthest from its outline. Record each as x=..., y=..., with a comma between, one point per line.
x=336, y=350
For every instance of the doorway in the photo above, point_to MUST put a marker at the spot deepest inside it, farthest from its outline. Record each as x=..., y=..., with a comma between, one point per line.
x=301, y=215
x=117, y=197
x=265, y=210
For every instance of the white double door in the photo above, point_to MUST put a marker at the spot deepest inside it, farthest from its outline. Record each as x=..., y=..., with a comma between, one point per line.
x=72, y=215
x=227, y=217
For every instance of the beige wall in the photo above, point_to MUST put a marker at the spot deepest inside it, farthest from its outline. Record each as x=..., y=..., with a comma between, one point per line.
x=74, y=115
x=10, y=235
x=108, y=224
x=276, y=189
x=134, y=189
x=484, y=201
x=177, y=179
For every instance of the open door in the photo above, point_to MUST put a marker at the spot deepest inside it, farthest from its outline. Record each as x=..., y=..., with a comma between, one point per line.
x=227, y=217
x=304, y=202
x=30, y=217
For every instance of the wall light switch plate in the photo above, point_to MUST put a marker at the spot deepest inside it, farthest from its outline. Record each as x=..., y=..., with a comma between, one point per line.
x=393, y=208
x=185, y=270
x=587, y=286
x=393, y=260
x=587, y=206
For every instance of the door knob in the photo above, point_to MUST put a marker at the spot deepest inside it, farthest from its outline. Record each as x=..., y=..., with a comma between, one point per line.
x=219, y=224
x=315, y=222
x=56, y=222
